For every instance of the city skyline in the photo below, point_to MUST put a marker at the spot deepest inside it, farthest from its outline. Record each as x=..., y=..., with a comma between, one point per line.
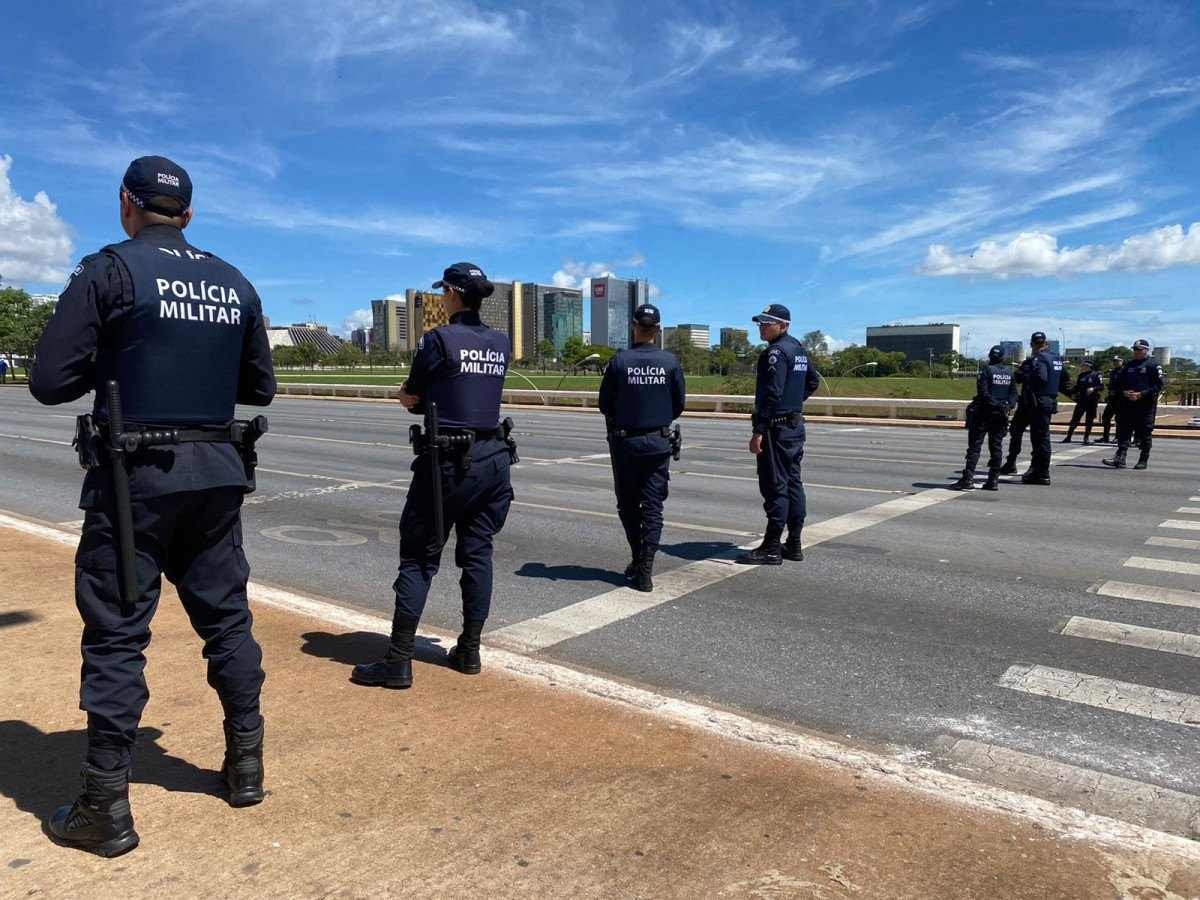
x=1005, y=168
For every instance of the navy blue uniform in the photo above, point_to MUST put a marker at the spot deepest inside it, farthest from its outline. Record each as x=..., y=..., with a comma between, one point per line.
x=785, y=379
x=1136, y=417
x=461, y=367
x=183, y=333
x=1112, y=402
x=1020, y=418
x=1087, y=400
x=995, y=396
x=641, y=393
x=1044, y=380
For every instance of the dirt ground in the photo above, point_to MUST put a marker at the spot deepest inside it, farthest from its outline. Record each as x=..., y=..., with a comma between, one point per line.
x=490, y=786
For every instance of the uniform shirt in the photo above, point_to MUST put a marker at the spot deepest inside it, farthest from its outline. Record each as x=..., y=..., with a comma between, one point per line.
x=995, y=388
x=461, y=366
x=1114, y=383
x=642, y=387
x=785, y=379
x=1144, y=376
x=78, y=352
x=1044, y=376
x=1088, y=380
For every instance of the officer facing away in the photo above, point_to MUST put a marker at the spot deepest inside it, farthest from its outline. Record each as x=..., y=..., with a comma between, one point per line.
x=1087, y=398
x=785, y=379
x=460, y=367
x=1044, y=381
x=995, y=396
x=1140, y=382
x=182, y=333
x=1112, y=399
x=641, y=393
x=1020, y=419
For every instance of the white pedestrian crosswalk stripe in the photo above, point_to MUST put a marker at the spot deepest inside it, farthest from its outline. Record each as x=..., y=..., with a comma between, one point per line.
x=1190, y=510
x=1132, y=635
x=1163, y=565
x=1104, y=693
x=1150, y=593
x=1181, y=524
x=1180, y=543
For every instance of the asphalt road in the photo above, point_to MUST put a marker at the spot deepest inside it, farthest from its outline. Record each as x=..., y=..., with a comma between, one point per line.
x=975, y=632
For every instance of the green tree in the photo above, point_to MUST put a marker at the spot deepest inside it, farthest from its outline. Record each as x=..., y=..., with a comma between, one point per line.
x=574, y=350
x=348, y=356
x=15, y=309
x=816, y=343
x=856, y=357
x=1105, y=356
x=723, y=360
x=544, y=352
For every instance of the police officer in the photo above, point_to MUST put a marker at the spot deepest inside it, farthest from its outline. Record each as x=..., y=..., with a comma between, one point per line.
x=461, y=368
x=1020, y=419
x=785, y=379
x=641, y=393
x=182, y=333
x=1140, y=382
x=1087, y=398
x=1044, y=381
x=995, y=396
x=1112, y=399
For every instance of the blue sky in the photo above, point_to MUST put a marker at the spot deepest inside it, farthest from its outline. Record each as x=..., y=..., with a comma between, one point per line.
x=1005, y=165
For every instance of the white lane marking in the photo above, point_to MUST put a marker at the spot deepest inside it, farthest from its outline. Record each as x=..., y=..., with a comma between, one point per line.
x=329, y=440
x=874, y=767
x=1180, y=524
x=1163, y=565
x=1181, y=543
x=1132, y=635
x=1104, y=693
x=1150, y=593
x=257, y=499
x=613, y=606
x=1190, y=510
x=807, y=484
x=573, y=459
x=1194, y=499
x=712, y=529
x=36, y=440
x=1086, y=789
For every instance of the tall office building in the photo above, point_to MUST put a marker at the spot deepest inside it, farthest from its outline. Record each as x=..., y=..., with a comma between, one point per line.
x=497, y=310
x=1161, y=355
x=427, y=311
x=697, y=335
x=361, y=338
x=734, y=337
x=389, y=323
x=924, y=342
x=1076, y=354
x=613, y=302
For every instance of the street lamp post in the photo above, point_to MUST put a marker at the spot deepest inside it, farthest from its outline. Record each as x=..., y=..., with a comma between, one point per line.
x=575, y=368
x=869, y=365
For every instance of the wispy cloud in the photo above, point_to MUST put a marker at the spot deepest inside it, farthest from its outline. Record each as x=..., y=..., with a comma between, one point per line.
x=35, y=243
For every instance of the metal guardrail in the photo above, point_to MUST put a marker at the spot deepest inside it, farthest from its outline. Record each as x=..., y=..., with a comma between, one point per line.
x=734, y=403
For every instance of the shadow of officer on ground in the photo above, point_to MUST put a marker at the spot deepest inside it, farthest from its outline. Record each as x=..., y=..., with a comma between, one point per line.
x=38, y=767
x=356, y=647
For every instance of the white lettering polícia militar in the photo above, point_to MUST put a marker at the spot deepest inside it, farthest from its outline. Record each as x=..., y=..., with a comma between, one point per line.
x=187, y=290
x=800, y=364
x=641, y=375
x=168, y=178
x=225, y=310
x=482, y=362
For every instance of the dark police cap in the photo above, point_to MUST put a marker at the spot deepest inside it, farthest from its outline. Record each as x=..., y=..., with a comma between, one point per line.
x=157, y=185
x=996, y=353
x=1141, y=344
x=1038, y=337
x=647, y=315
x=775, y=314
x=468, y=278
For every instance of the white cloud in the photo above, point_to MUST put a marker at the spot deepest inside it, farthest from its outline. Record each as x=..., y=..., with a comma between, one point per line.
x=578, y=275
x=839, y=75
x=360, y=318
x=1037, y=254
x=35, y=244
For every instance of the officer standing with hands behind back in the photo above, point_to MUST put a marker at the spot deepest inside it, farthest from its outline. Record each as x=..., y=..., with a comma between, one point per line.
x=1087, y=398
x=641, y=393
x=181, y=334
x=785, y=379
x=458, y=370
x=1140, y=383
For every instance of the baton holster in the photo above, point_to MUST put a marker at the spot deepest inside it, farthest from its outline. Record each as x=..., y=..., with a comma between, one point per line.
x=245, y=435
x=676, y=440
x=509, y=441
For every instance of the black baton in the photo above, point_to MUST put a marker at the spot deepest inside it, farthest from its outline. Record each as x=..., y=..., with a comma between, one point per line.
x=433, y=439
x=125, y=545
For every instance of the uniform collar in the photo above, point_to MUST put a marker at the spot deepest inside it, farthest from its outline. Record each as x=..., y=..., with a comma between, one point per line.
x=650, y=344
x=466, y=317
x=160, y=232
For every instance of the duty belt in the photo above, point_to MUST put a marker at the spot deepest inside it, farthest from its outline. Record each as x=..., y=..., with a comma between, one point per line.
x=134, y=437
x=789, y=419
x=663, y=431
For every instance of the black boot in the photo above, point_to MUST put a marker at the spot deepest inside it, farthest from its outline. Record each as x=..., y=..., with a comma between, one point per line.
x=395, y=669
x=1070, y=434
x=993, y=480
x=464, y=655
x=631, y=569
x=645, y=569
x=1087, y=436
x=768, y=553
x=99, y=820
x=1144, y=456
x=243, y=766
x=1118, y=459
x=1032, y=477
x=1009, y=467
x=792, y=549
x=965, y=483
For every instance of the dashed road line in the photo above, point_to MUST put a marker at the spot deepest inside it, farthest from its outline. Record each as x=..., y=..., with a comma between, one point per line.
x=1132, y=635
x=1163, y=565
x=1104, y=693
x=36, y=440
x=1150, y=593
x=1086, y=789
x=329, y=440
x=1180, y=543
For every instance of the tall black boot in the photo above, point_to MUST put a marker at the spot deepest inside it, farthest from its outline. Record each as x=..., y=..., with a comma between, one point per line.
x=464, y=655
x=395, y=669
x=993, y=480
x=768, y=553
x=791, y=549
x=1144, y=456
x=1118, y=459
x=966, y=482
x=1070, y=434
x=643, y=580
x=243, y=766
x=1010, y=466
x=1087, y=434
x=99, y=820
